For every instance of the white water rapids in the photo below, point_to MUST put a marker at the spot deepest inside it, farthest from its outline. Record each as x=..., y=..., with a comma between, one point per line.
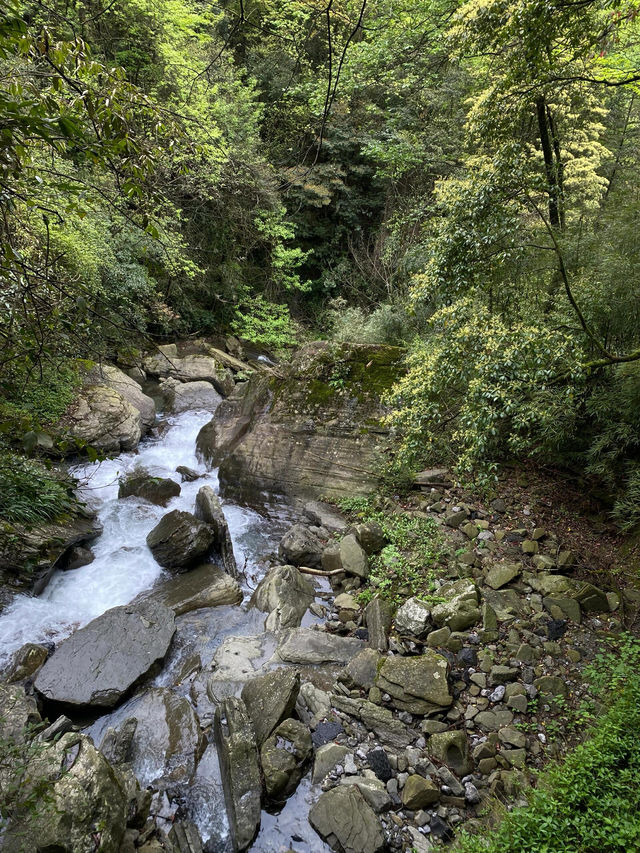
x=123, y=565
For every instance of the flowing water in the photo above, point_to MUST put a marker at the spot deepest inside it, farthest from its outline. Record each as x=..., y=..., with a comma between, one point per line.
x=122, y=569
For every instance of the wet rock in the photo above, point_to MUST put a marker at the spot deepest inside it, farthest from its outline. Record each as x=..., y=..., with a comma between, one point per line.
x=236, y=660
x=190, y=396
x=209, y=510
x=185, y=837
x=300, y=547
x=270, y=699
x=117, y=743
x=460, y=610
x=238, y=753
x=180, y=540
x=308, y=646
x=413, y=618
x=285, y=594
x=98, y=664
x=346, y=556
x=416, y=684
x=187, y=475
x=87, y=795
x=361, y=671
x=26, y=662
x=347, y=822
x=452, y=748
x=284, y=756
x=204, y=586
x=378, y=616
x=324, y=515
x=156, y=490
x=419, y=793
x=326, y=758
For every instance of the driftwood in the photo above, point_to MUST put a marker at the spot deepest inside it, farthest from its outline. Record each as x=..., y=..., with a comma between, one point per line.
x=307, y=571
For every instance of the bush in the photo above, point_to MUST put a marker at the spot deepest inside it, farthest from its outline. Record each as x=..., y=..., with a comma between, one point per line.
x=590, y=802
x=29, y=493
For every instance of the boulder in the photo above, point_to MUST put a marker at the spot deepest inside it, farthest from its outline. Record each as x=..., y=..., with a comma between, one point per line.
x=326, y=758
x=190, y=396
x=26, y=662
x=180, y=540
x=300, y=547
x=347, y=822
x=190, y=368
x=232, y=420
x=346, y=556
x=419, y=793
x=500, y=574
x=203, y=586
x=285, y=594
x=305, y=435
x=112, y=377
x=270, y=699
x=156, y=490
x=413, y=618
x=187, y=475
x=361, y=671
x=209, y=510
x=81, y=809
x=18, y=715
x=238, y=753
x=416, y=684
x=590, y=598
x=185, y=837
x=165, y=744
x=284, y=756
x=75, y=558
x=324, y=515
x=378, y=616
x=452, y=748
x=371, y=536
x=98, y=664
x=373, y=790
x=308, y=646
x=102, y=418
x=460, y=610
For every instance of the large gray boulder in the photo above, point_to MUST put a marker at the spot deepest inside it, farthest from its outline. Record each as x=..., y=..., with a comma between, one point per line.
x=300, y=547
x=347, y=822
x=270, y=699
x=113, y=377
x=416, y=684
x=460, y=610
x=190, y=396
x=204, y=586
x=102, y=418
x=413, y=618
x=324, y=515
x=98, y=665
x=346, y=556
x=180, y=540
x=284, y=756
x=285, y=594
x=308, y=646
x=209, y=510
x=238, y=753
x=198, y=367
x=81, y=809
x=232, y=420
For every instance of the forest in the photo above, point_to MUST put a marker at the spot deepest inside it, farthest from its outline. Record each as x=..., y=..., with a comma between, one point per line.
x=458, y=179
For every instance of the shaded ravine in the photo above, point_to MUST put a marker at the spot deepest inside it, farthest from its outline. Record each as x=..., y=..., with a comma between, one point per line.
x=124, y=568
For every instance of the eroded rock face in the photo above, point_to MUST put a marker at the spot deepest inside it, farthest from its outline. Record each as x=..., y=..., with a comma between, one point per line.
x=209, y=510
x=203, y=586
x=200, y=367
x=127, y=387
x=97, y=665
x=189, y=396
x=285, y=594
x=180, y=540
x=237, y=749
x=308, y=434
x=102, y=418
x=347, y=822
x=87, y=796
x=306, y=646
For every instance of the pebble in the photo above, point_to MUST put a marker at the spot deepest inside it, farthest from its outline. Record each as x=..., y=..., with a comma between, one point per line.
x=497, y=695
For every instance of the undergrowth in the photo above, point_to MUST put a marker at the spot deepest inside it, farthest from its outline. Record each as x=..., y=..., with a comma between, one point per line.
x=30, y=493
x=406, y=565
x=590, y=801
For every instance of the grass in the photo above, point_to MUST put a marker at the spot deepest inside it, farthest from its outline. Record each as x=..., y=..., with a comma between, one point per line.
x=406, y=565
x=29, y=493
x=590, y=801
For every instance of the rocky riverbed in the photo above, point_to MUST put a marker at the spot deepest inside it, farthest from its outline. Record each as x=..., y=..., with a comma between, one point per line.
x=210, y=676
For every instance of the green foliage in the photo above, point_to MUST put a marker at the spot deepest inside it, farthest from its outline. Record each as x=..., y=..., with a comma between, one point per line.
x=265, y=323
x=590, y=801
x=30, y=493
x=406, y=565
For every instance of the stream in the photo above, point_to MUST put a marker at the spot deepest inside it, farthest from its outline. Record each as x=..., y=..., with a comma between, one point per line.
x=123, y=569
